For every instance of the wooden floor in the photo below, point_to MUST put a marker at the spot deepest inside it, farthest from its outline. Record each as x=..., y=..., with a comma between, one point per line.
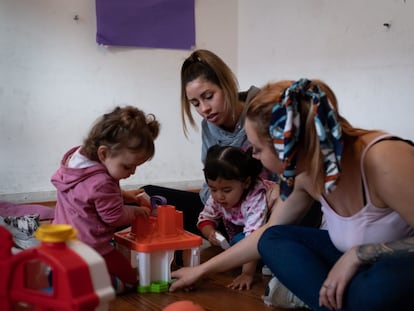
x=211, y=293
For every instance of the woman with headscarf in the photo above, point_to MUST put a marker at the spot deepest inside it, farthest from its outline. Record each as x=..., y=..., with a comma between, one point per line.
x=363, y=180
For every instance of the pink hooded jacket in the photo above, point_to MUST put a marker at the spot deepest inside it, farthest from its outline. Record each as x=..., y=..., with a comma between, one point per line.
x=90, y=200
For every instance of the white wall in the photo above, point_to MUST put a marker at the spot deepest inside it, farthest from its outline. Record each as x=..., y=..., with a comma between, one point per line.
x=55, y=81
x=344, y=43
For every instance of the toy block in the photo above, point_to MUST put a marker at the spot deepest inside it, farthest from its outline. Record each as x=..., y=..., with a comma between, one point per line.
x=153, y=242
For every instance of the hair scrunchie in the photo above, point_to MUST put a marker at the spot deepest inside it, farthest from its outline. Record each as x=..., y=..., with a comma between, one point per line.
x=285, y=128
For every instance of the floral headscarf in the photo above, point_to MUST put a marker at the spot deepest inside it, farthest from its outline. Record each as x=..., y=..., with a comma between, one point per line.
x=285, y=128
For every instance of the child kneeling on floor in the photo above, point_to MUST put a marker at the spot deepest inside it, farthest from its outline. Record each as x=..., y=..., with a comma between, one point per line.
x=238, y=198
x=89, y=196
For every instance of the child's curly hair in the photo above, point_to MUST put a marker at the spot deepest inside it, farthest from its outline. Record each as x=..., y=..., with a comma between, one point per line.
x=123, y=128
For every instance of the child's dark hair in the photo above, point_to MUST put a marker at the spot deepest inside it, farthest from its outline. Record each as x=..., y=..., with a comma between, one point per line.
x=231, y=163
x=123, y=128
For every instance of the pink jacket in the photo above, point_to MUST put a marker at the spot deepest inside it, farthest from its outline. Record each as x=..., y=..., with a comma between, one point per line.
x=90, y=200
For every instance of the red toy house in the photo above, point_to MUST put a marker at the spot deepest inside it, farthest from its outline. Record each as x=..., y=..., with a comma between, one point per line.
x=62, y=274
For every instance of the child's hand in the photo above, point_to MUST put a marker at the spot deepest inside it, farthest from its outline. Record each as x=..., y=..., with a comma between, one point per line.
x=243, y=281
x=142, y=211
x=212, y=238
x=142, y=198
x=137, y=196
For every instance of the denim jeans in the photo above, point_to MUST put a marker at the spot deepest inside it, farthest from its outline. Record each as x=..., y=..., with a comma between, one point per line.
x=301, y=258
x=237, y=238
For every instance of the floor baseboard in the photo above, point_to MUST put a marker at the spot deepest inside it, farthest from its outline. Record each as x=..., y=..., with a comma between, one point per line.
x=47, y=196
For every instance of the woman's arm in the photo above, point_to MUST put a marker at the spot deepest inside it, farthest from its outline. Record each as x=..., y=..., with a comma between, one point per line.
x=370, y=253
x=235, y=256
x=244, y=251
x=389, y=168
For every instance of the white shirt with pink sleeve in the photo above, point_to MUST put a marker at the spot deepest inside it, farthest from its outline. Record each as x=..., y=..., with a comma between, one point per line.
x=246, y=217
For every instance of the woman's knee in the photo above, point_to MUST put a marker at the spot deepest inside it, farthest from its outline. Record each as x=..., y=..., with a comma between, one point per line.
x=269, y=238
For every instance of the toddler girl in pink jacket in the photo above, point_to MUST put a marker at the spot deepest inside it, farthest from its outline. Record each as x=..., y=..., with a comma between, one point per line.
x=89, y=196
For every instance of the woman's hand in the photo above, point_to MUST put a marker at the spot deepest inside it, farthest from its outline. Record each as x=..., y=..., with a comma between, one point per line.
x=332, y=291
x=186, y=277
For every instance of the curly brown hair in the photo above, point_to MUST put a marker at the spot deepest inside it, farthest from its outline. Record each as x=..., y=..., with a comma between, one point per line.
x=123, y=128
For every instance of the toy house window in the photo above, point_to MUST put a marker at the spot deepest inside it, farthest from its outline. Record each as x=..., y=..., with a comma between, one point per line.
x=38, y=276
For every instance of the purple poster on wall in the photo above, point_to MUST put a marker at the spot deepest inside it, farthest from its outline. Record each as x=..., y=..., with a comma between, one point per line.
x=165, y=24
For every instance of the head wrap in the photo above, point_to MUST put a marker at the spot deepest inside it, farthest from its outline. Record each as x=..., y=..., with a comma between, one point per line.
x=285, y=128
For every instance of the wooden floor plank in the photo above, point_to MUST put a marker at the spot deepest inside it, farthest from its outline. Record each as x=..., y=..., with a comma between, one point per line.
x=211, y=293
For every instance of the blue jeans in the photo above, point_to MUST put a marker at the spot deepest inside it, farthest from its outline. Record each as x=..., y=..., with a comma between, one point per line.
x=301, y=258
x=237, y=238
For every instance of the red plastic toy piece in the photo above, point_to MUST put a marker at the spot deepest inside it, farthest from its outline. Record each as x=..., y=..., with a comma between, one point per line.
x=154, y=241
x=60, y=274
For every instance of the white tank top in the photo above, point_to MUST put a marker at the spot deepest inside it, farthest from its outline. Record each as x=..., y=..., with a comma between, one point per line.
x=370, y=225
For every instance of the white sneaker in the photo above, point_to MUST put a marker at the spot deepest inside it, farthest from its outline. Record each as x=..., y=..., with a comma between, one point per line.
x=277, y=295
x=266, y=271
